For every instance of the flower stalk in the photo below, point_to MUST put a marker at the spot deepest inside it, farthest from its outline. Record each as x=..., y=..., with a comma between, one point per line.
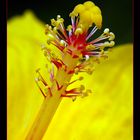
x=49, y=105
x=78, y=55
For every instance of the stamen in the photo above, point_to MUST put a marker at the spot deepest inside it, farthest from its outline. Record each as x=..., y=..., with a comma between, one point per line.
x=91, y=33
x=73, y=23
x=58, y=34
x=48, y=91
x=62, y=29
x=36, y=80
x=58, y=86
x=85, y=94
x=78, y=31
x=112, y=36
x=79, y=79
x=106, y=30
x=51, y=34
x=51, y=71
x=41, y=78
x=99, y=44
x=98, y=39
x=75, y=91
x=59, y=24
x=63, y=43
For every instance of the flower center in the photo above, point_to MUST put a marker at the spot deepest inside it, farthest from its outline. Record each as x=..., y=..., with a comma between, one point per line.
x=74, y=40
x=78, y=53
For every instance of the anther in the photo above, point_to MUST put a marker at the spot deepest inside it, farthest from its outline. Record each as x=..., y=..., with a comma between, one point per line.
x=76, y=70
x=89, y=71
x=106, y=30
x=81, y=78
x=43, y=46
x=82, y=87
x=69, y=83
x=58, y=17
x=112, y=43
x=63, y=43
x=112, y=36
x=78, y=31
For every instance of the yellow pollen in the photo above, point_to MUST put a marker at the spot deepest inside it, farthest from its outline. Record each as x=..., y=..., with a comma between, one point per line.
x=69, y=27
x=57, y=22
x=82, y=87
x=112, y=36
x=88, y=14
x=81, y=78
x=78, y=31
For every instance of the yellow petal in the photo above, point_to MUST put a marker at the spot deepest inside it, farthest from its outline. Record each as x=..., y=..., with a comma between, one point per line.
x=24, y=57
x=104, y=115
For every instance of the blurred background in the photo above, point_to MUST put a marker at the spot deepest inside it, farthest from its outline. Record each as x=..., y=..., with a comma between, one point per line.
x=117, y=14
